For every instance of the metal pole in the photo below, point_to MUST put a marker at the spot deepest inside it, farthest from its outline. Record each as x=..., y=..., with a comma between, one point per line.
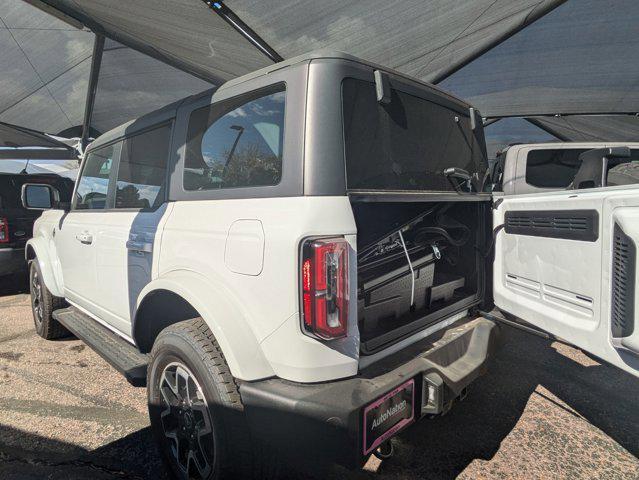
x=96, y=62
x=247, y=32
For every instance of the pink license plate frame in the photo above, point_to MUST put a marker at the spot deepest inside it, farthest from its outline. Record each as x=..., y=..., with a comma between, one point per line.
x=396, y=427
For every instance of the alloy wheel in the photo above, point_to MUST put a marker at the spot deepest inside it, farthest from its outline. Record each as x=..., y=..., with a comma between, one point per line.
x=186, y=421
x=36, y=297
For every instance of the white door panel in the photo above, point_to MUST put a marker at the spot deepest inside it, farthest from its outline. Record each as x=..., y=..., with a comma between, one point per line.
x=563, y=285
x=74, y=240
x=127, y=245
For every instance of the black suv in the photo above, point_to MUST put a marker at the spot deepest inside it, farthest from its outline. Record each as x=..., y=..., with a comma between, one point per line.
x=17, y=145
x=16, y=222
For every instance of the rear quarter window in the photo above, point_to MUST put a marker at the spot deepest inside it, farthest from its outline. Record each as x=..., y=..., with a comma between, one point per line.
x=236, y=143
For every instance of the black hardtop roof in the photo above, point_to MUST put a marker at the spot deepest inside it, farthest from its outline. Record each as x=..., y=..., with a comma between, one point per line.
x=169, y=111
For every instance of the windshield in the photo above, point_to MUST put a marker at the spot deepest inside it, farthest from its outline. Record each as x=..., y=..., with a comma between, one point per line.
x=406, y=144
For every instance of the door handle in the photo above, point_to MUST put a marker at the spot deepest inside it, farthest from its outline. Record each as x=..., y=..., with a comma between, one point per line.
x=85, y=238
x=142, y=247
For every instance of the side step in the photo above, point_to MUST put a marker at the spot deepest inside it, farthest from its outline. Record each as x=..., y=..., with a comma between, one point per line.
x=119, y=353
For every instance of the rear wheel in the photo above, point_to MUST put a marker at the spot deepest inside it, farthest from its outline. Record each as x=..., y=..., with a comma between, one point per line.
x=43, y=304
x=195, y=408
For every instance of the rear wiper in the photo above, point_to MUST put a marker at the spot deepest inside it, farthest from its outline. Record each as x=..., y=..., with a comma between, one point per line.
x=465, y=177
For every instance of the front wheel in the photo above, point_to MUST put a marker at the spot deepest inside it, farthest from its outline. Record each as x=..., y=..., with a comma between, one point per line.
x=197, y=416
x=43, y=304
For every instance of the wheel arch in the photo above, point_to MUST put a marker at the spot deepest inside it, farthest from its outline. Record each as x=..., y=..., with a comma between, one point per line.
x=182, y=295
x=36, y=250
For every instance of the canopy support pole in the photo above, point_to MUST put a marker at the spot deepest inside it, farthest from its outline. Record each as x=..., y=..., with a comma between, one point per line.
x=534, y=15
x=243, y=29
x=96, y=62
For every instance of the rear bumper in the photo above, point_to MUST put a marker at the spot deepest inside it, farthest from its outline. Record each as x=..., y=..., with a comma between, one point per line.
x=325, y=421
x=12, y=261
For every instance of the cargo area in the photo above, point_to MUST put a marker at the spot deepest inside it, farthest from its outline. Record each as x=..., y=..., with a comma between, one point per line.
x=417, y=263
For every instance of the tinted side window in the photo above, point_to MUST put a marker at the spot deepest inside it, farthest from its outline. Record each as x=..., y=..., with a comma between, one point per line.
x=237, y=143
x=552, y=168
x=93, y=185
x=142, y=169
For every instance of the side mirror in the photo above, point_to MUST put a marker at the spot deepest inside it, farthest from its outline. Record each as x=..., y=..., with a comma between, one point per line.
x=37, y=196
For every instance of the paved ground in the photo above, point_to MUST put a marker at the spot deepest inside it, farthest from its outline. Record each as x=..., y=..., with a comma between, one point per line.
x=544, y=410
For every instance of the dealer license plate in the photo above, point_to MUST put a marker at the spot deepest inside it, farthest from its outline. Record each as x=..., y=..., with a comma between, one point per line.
x=388, y=415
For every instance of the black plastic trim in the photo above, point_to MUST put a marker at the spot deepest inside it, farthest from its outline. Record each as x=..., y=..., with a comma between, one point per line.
x=119, y=353
x=290, y=416
x=582, y=225
x=624, y=261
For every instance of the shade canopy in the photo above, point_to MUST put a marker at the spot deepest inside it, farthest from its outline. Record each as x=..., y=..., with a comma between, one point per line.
x=509, y=131
x=583, y=57
x=184, y=33
x=13, y=136
x=131, y=84
x=520, y=58
x=46, y=62
x=591, y=128
x=422, y=39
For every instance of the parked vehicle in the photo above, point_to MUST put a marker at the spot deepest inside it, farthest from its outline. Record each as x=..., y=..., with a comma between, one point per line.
x=299, y=261
x=16, y=222
x=544, y=167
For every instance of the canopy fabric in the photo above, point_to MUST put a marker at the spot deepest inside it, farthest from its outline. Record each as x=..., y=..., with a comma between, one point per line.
x=422, y=39
x=131, y=84
x=44, y=65
x=582, y=57
x=184, y=33
x=556, y=56
x=592, y=128
x=509, y=131
x=14, y=136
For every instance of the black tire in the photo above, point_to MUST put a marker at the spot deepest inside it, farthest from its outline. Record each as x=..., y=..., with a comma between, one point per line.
x=191, y=346
x=43, y=304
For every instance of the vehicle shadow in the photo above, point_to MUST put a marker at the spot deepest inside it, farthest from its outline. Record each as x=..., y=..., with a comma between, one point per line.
x=474, y=429
x=134, y=457
x=13, y=285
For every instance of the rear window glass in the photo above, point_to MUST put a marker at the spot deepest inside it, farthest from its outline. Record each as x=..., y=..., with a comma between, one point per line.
x=406, y=144
x=236, y=143
x=553, y=168
x=556, y=168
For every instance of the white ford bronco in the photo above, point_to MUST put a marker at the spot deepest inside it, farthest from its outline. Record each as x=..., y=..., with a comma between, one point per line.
x=300, y=261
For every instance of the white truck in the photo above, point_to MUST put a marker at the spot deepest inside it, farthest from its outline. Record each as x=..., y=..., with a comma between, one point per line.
x=545, y=167
x=299, y=262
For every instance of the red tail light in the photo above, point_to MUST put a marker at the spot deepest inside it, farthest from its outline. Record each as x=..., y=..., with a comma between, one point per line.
x=4, y=230
x=325, y=287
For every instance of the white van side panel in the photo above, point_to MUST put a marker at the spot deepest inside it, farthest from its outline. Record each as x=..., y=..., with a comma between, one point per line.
x=563, y=285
